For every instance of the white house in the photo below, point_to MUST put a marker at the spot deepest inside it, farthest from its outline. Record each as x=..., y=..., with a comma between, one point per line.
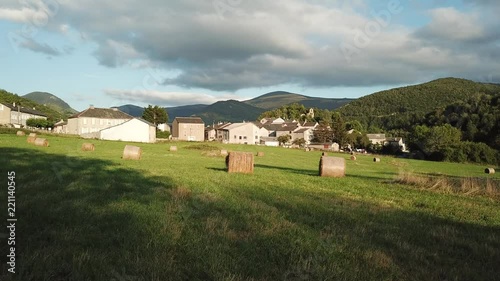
x=303, y=133
x=92, y=120
x=242, y=133
x=135, y=130
x=61, y=127
x=17, y=115
x=164, y=127
x=377, y=138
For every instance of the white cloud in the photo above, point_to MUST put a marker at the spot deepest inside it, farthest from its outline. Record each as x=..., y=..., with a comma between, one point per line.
x=451, y=24
x=166, y=98
x=264, y=43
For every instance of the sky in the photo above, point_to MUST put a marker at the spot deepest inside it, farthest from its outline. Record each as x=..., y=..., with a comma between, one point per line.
x=169, y=53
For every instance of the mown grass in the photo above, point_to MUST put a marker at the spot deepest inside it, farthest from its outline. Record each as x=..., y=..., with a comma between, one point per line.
x=180, y=216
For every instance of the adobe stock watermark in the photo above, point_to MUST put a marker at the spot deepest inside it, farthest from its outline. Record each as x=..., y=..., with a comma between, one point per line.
x=362, y=38
x=44, y=10
x=150, y=82
x=224, y=6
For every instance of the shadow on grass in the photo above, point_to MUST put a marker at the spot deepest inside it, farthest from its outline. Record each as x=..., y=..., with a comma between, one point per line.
x=365, y=241
x=293, y=170
x=96, y=220
x=217, y=169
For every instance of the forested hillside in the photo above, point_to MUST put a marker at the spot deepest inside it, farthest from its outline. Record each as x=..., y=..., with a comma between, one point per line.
x=401, y=108
x=9, y=98
x=51, y=101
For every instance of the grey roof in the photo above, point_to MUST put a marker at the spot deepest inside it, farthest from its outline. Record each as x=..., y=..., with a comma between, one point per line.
x=104, y=113
x=189, y=120
x=309, y=124
x=301, y=130
x=376, y=136
x=25, y=110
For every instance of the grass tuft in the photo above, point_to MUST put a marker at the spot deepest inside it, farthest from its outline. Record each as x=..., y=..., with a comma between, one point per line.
x=468, y=185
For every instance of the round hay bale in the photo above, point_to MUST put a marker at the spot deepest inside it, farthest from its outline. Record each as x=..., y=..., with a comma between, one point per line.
x=31, y=138
x=173, y=148
x=88, y=147
x=41, y=142
x=20, y=133
x=353, y=158
x=376, y=160
x=223, y=152
x=132, y=152
x=240, y=162
x=333, y=167
x=260, y=154
x=490, y=171
x=324, y=154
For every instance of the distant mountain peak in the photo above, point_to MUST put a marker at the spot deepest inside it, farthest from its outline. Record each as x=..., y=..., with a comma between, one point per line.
x=50, y=100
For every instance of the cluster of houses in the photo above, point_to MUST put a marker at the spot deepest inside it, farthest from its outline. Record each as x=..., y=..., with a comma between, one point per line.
x=113, y=124
x=17, y=115
x=265, y=132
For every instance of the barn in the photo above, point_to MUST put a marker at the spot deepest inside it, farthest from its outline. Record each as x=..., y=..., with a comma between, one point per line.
x=136, y=130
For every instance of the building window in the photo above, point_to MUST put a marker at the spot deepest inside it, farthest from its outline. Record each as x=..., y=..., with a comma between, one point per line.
x=245, y=137
x=240, y=137
x=84, y=121
x=256, y=137
x=235, y=137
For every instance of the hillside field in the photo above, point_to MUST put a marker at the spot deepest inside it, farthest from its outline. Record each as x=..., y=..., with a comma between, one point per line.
x=181, y=216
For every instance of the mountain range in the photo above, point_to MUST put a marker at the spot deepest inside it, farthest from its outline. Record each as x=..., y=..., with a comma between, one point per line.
x=420, y=99
x=237, y=111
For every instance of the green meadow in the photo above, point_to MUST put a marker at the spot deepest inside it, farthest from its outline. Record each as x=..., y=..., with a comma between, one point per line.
x=181, y=216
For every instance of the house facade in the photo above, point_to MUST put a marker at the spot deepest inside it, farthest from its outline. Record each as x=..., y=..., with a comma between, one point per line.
x=61, y=127
x=188, y=129
x=17, y=115
x=135, y=130
x=92, y=120
x=377, y=138
x=242, y=133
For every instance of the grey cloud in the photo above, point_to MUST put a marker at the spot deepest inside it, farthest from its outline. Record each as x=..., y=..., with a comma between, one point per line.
x=264, y=43
x=37, y=47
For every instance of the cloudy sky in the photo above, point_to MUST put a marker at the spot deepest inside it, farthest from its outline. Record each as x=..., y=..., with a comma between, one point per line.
x=108, y=53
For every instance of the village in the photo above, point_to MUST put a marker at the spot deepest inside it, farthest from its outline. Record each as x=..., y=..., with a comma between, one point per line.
x=113, y=124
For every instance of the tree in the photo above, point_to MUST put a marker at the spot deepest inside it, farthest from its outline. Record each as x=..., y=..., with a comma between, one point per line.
x=155, y=115
x=435, y=141
x=39, y=123
x=323, y=133
x=338, y=129
x=284, y=139
x=300, y=142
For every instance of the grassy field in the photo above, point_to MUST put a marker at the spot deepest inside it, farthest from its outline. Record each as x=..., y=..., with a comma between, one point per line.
x=180, y=216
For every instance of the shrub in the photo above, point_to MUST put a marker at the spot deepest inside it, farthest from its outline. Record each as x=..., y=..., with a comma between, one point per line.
x=162, y=135
x=471, y=152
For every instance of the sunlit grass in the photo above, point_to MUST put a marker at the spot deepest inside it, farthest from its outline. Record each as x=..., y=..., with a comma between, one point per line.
x=180, y=216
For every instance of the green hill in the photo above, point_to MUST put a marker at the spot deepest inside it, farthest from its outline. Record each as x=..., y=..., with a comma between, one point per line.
x=421, y=98
x=277, y=99
x=51, y=101
x=231, y=110
x=402, y=108
x=52, y=114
